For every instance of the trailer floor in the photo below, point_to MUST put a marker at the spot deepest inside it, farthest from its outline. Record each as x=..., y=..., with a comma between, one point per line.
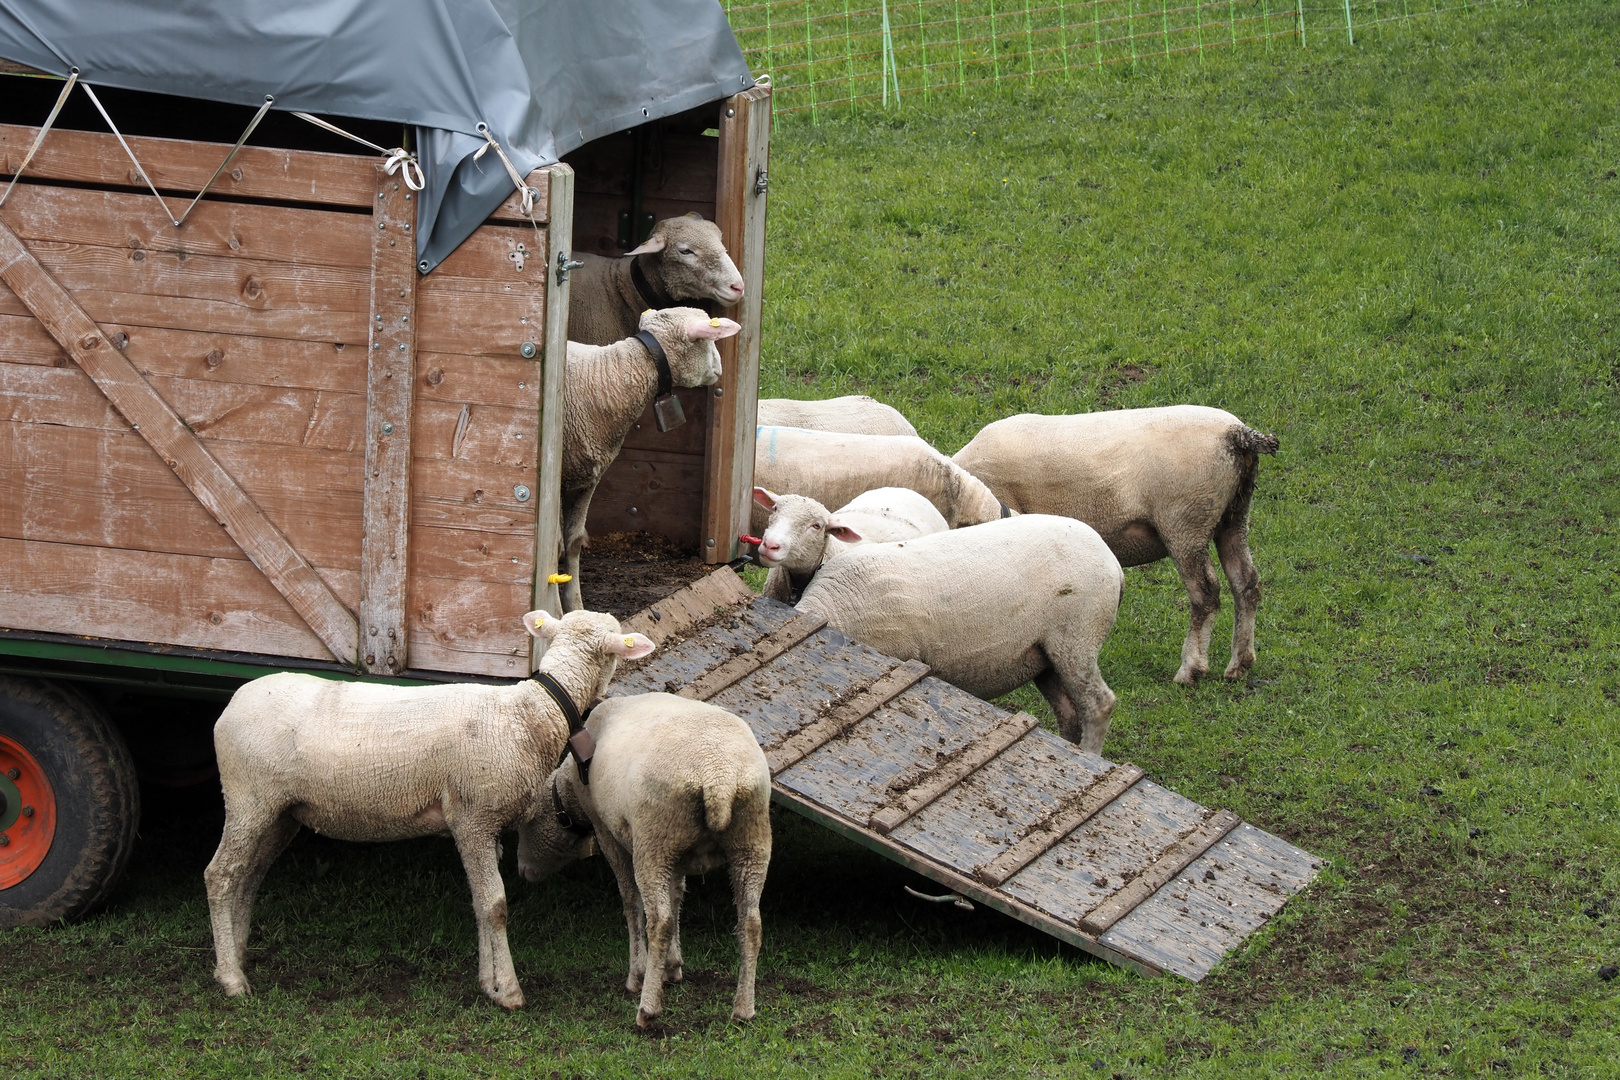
x=623, y=573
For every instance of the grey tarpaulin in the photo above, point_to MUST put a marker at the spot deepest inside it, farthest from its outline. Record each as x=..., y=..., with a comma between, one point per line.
x=545, y=75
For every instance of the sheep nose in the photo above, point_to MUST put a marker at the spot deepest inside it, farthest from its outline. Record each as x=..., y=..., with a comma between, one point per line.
x=737, y=290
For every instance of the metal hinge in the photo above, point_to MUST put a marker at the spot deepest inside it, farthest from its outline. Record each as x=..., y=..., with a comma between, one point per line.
x=564, y=265
x=761, y=180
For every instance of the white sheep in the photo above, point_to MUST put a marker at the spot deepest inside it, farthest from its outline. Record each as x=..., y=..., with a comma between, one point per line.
x=835, y=467
x=683, y=262
x=677, y=787
x=1153, y=482
x=855, y=414
x=361, y=761
x=988, y=608
x=802, y=534
x=608, y=388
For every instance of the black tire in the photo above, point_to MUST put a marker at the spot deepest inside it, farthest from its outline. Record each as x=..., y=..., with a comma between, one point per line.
x=97, y=796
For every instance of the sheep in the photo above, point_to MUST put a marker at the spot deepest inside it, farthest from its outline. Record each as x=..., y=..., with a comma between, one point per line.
x=683, y=261
x=361, y=761
x=988, y=608
x=855, y=414
x=676, y=787
x=802, y=534
x=1153, y=482
x=834, y=468
x=608, y=388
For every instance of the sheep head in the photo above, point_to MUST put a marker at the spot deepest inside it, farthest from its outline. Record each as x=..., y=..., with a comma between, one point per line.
x=688, y=336
x=692, y=260
x=795, y=537
x=545, y=844
x=585, y=646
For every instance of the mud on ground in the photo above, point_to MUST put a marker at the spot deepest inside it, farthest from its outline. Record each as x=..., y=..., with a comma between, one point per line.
x=622, y=573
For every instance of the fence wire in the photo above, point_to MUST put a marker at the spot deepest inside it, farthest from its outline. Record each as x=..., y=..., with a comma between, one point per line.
x=824, y=54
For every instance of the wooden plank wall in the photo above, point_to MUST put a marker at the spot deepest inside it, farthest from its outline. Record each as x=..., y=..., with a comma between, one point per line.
x=252, y=322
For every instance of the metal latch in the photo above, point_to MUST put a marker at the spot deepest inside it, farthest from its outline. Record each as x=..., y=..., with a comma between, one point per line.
x=761, y=181
x=564, y=265
x=519, y=256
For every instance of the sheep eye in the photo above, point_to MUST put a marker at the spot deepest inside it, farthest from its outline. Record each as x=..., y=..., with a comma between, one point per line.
x=685, y=250
x=816, y=526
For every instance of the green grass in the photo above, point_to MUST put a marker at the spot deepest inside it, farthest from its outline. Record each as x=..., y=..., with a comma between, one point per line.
x=1402, y=258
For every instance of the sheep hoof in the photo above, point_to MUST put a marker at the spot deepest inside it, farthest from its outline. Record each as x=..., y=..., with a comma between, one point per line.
x=674, y=973
x=1239, y=668
x=1187, y=678
x=645, y=1018
x=742, y=1015
x=235, y=985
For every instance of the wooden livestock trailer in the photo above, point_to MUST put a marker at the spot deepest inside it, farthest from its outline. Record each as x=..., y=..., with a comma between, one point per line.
x=263, y=441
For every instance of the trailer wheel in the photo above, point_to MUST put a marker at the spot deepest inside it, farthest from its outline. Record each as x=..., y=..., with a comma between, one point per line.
x=69, y=803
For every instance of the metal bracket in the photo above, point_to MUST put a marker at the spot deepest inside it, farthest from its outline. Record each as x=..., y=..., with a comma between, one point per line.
x=519, y=256
x=761, y=181
x=564, y=265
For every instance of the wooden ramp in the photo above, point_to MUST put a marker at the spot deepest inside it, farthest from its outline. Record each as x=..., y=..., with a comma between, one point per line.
x=985, y=802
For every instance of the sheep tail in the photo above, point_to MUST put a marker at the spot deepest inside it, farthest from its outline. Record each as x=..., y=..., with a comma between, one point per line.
x=1246, y=445
x=717, y=802
x=1245, y=440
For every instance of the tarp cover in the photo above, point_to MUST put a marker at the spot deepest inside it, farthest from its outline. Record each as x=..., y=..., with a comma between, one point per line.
x=545, y=75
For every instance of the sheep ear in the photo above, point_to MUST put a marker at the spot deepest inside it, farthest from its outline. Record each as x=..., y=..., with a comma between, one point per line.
x=541, y=625
x=653, y=244
x=765, y=498
x=713, y=329
x=839, y=531
x=694, y=213
x=631, y=646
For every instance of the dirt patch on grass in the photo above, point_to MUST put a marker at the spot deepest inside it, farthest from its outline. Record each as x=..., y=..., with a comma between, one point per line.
x=1452, y=908
x=621, y=573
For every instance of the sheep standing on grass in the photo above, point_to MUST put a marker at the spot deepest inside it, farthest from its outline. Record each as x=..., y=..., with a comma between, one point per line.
x=358, y=761
x=1153, y=482
x=833, y=468
x=677, y=787
x=608, y=388
x=683, y=261
x=989, y=608
x=854, y=414
x=802, y=534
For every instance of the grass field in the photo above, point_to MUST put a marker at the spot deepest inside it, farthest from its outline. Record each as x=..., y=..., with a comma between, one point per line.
x=1402, y=257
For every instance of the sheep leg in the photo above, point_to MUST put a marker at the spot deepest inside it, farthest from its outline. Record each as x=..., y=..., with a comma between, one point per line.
x=635, y=922
x=227, y=874
x=271, y=845
x=674, y=966
x=747, y=882
x=480, y=855
x=652, y=878
x=573, y=544
x=1081, y=699
x=1204, y=600
x=1233, y=547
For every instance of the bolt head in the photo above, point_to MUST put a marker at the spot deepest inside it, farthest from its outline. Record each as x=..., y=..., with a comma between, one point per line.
x=5, y=841
x=12, y=774
x=527, y=350
x=28, y=811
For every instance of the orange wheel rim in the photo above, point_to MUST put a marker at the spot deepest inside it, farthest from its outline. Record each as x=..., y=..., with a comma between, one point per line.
x=27, y=814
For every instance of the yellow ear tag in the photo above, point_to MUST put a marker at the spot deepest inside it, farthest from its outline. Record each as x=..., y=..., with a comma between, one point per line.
x=558, y=579
x=646, y=313
x=629, y=641
x=714, y=322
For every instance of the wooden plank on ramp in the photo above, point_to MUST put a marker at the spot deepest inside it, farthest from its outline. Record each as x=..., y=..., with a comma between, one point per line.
x=984, y=802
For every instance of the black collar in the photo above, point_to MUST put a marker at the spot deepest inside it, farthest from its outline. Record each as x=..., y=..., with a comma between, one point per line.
x=565, y=819
x=581, y=743
x=1006, y=511
x=666, y=381
x=651, y=296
